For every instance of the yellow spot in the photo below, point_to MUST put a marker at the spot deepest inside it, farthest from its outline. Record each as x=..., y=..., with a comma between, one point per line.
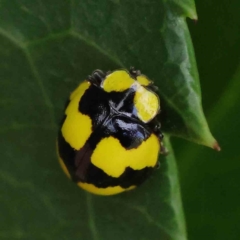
x=103, y=191
x=143, y=80
x=117, y=81
x=146, y=103
x=62, y=164
x=77, y=127
x=113, y=158
x=82, y=87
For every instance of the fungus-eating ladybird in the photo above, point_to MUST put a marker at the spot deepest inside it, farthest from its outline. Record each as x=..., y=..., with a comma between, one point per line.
x=110, y=138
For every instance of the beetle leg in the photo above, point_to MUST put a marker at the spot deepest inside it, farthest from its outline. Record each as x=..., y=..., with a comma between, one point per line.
x=135, y=73
x=153, y=87
x=163, y=150
x=97, y=77
x=157, y=166
x=157, y=130
x=155, y=125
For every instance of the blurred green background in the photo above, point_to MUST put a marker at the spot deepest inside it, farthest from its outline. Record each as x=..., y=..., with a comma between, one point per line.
x=210, y=181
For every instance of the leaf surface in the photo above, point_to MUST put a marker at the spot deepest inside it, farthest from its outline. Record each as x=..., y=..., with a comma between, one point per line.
x=46, y=50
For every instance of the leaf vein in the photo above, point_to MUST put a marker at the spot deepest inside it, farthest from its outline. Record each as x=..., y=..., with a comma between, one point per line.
x=42, y=88
x=93, y=44
x=12, y=39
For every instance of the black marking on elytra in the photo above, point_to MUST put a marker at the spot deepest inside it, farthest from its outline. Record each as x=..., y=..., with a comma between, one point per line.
x=130, y=134
x=67, y=154
x=82, y=161
x=94, y=104
x=129, y=177
x=76, y=161
x=98, y=104
x=81, y=169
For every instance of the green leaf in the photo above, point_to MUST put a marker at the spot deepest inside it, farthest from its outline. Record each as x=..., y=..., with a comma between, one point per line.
x=210, y=180
x=215, y=176
x=46, y=49
x=185, y=7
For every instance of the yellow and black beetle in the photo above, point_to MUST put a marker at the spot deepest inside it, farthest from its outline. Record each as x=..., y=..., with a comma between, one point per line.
x=110, y=138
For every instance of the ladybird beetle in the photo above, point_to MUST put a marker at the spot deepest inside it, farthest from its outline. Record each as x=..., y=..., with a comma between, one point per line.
x=110, y=137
